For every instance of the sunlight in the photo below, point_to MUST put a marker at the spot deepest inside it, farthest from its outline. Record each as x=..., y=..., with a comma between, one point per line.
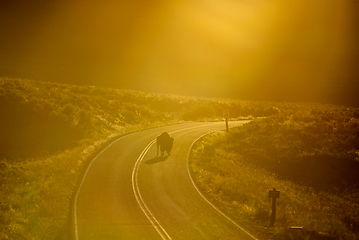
x=215, y=46
x=275, y=49
x=203, y=43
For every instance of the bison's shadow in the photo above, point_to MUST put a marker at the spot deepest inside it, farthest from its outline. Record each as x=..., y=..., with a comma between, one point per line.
x=156, y=159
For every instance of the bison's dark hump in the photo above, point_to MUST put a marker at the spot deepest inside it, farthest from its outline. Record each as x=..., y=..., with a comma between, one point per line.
x=165, y=134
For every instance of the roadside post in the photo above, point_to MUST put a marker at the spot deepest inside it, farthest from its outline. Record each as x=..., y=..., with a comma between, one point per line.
x=274, y=194
x=226, y=115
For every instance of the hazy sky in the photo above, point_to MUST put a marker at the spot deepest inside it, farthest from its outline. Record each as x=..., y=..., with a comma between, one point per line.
x=297, y=50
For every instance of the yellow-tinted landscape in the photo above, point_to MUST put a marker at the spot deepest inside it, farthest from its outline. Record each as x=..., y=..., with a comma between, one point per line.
x=76, y=75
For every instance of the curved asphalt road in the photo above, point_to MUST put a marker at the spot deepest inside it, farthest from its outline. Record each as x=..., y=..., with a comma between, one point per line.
x=129, y=193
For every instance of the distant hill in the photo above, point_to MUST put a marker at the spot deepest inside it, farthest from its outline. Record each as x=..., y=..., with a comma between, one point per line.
x=50, y=131
x=41, y=118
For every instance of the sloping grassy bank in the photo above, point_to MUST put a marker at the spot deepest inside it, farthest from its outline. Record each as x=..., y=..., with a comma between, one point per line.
x=310, y=153
x=50, y=131
x=36, y=193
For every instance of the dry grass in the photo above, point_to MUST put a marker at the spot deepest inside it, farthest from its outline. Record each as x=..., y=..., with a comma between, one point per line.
x=238, y=181
x=50, y=131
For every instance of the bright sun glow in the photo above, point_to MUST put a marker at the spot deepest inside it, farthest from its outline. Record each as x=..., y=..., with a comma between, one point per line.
x=226, y=48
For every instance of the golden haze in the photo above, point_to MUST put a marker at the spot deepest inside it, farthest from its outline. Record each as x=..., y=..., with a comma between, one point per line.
x=281, y=50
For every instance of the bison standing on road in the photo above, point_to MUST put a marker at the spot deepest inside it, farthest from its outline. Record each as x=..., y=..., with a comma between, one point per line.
x=164, y=143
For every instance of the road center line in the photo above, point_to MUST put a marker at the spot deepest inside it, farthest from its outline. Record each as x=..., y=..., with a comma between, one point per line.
x=134, y=177
x=160, y=230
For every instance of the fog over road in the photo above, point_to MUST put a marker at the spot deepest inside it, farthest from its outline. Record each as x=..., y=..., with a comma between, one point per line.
x=130, y=193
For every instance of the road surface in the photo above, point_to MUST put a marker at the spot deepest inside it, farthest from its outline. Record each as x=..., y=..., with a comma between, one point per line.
x=128, y=192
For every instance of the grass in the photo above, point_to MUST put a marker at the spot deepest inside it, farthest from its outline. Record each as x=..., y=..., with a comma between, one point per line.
x=51, y=131
x=38, y=191
x=310, y=155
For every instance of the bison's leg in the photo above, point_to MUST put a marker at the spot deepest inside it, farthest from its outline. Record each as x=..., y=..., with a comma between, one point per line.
x=158, y=146
x=168, y=151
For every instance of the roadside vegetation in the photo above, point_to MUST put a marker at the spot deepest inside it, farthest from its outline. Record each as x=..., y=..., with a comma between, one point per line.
x=309, y=152
x=50, y=131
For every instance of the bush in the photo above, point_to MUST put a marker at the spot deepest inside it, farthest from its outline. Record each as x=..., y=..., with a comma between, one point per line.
x=197, y=112
x=310, y=153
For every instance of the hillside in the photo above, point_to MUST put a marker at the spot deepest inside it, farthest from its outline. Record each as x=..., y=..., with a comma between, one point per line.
x=309, y=152
x=43, y=118
x=49, y=131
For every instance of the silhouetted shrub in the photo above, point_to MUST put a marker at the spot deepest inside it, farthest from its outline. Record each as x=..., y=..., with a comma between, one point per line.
x=198, y=112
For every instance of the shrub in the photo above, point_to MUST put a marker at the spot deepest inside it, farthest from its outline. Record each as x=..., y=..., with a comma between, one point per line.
x=309, y=153
x=202, y=111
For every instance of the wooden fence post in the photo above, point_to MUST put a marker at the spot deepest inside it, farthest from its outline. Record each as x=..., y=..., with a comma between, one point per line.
x=226, y=115
x=274, y=194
